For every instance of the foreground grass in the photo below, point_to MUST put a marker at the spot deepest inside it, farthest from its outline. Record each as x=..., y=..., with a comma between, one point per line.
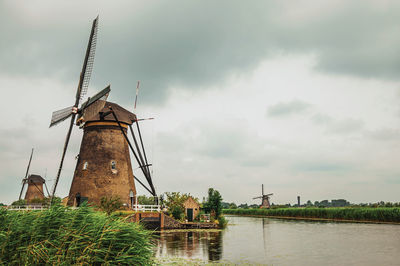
x=381, y=214
x=62, y=236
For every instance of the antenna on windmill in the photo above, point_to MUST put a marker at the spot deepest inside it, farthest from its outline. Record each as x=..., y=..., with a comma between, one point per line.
x=264, y=198
x=88, y=108
x=137, y=93
x=24, y=181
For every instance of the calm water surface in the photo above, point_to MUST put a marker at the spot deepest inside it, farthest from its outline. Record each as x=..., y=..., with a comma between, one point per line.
x=287, y=242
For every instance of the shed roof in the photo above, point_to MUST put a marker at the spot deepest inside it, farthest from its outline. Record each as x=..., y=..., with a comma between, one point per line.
x=190, y=199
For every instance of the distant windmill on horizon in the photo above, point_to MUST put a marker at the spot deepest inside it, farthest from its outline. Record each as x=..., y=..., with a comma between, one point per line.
x=264, y=198
x=35, y=185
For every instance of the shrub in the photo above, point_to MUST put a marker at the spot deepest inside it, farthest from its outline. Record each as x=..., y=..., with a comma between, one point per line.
x=222, y=222
x=174, y=202
x=20, y=202
x=110, y=204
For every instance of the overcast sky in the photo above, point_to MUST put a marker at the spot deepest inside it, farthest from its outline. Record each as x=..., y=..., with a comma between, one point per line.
x=303, y=97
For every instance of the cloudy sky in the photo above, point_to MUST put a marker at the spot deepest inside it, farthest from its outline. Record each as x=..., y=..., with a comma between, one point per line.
x=301, y=96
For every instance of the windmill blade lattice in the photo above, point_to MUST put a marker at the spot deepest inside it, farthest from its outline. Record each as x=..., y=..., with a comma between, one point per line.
x=93, y=105
x=60, y=115
x=80, y=93
x=89, y=60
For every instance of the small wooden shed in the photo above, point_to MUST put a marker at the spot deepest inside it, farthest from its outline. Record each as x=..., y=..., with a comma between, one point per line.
x=192, y=208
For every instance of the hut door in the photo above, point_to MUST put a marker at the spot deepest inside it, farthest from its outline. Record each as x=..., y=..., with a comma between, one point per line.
x=190, y=215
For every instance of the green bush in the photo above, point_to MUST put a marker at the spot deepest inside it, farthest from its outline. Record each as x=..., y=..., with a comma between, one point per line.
x=62, y=236
x=382, y=214
x=213, y=205
x=174, y=202
x=110, y=204
x=222, y=222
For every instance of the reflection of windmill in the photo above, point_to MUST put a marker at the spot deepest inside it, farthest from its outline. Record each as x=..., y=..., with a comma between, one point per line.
x=264, y=198
x=91, y=106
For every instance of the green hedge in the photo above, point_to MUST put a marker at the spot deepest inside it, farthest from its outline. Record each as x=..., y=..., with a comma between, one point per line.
x=360, y=214
x=61, y=236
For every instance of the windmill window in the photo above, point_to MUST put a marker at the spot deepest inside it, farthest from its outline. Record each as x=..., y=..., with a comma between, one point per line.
x=85, y=165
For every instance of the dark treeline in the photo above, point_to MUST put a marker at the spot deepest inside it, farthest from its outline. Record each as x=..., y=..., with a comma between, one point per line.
x=366, y=214
x=322, y=204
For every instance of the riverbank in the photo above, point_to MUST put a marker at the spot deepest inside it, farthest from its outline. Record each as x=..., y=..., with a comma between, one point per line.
x=362, y=215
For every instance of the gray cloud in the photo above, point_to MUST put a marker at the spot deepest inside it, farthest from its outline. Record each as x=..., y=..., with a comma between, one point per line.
x=287, y=108
x=180, y=43
x=385, y=134
x=338, y=126
x=324, y=166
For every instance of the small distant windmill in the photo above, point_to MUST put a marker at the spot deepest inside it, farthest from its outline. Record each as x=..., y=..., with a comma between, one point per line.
x=90, y=107
x=264, y=198
x=25, y=179
x=35, y=184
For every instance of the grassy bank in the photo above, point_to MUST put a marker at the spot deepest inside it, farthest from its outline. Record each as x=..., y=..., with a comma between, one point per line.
x=356, y=214
x=67, y=237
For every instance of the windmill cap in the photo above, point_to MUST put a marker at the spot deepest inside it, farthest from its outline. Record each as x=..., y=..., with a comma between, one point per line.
x=123, y=115
x=37, y=179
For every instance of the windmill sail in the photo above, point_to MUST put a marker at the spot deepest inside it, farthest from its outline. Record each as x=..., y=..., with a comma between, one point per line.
x=93, y=105
x=88, y=62
x=80, y=93
x=60, y=115
x=26, y=175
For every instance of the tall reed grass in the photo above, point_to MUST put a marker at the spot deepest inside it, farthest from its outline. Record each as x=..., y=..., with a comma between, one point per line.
x=61, y=236
x=359, y=214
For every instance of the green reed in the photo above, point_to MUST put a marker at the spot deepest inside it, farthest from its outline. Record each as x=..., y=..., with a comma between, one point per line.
x=381, y=214
x=62, y=236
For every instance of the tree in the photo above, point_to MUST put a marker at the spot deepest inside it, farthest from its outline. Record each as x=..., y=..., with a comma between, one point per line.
x=174, y=202
x=110, y=204
x=143, y=200
x=213, y=205
x=243, y=206
x=232, y=206
x=20, y=202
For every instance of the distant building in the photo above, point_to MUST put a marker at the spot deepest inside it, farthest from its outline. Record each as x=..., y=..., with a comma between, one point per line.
x=192, y=208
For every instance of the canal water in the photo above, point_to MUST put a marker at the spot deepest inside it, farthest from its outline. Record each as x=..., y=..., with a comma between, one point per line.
x=259, y=241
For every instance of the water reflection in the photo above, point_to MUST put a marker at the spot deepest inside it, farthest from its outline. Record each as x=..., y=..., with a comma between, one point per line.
x=286, y=242
x=205, y=245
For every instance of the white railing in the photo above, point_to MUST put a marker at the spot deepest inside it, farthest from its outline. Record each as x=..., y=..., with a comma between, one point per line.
x=27, y=208
x=147, y=208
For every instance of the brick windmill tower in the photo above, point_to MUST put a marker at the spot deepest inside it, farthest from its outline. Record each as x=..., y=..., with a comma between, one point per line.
x=103, y=167
x=35, y=188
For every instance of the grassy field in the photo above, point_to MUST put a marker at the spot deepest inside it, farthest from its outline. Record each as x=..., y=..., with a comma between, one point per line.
x=62, y=236
x=381, y=214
